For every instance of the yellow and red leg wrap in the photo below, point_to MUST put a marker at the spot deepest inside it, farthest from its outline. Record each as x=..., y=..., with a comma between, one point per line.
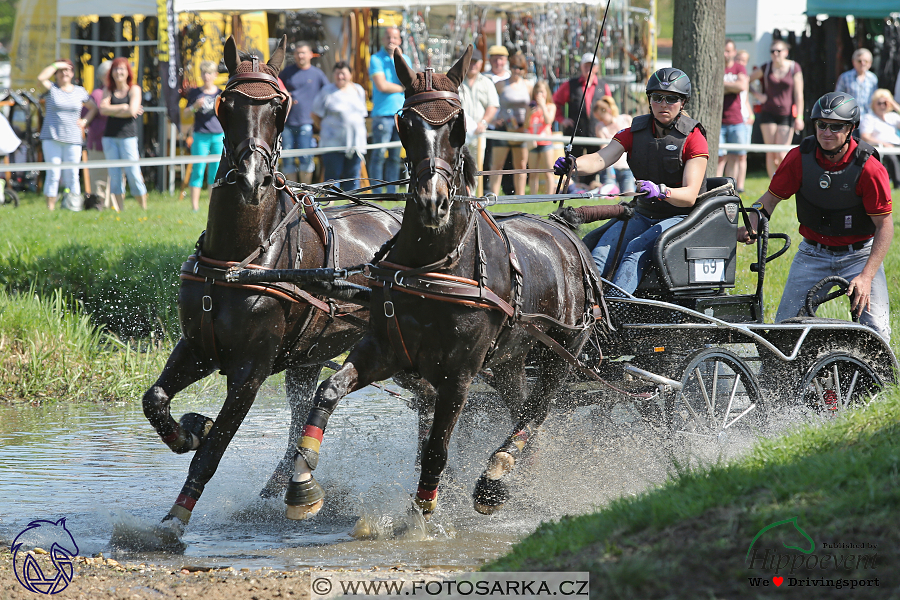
x=426, y=499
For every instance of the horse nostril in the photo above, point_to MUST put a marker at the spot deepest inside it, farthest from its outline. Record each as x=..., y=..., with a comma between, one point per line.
x=267, y=181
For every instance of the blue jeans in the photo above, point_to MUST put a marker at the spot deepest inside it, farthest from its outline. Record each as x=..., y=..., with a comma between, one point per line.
x=642, y=232
x=384, y=130
x=337, y=165
x=298, y=137
x=123, y=148
x=734, y=134
x=811, y=264
x=623, y=178
x=205, y=144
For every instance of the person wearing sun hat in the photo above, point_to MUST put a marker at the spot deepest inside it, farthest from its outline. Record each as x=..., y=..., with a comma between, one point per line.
x=498, y=56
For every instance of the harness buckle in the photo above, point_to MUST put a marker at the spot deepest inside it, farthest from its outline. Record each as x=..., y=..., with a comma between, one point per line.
x=398, y=281
x=389, y=309
x=228, y=179
x=207, y=303
x=275, y=179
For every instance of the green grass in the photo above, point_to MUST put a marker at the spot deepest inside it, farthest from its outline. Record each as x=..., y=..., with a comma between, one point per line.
x=689, y=537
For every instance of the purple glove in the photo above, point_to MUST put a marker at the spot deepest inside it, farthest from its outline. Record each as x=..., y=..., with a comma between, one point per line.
x=653, y=191
x=564, y=164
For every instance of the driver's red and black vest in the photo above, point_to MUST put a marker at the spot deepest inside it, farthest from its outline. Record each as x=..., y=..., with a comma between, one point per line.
x=660, y=160
x=827, y=201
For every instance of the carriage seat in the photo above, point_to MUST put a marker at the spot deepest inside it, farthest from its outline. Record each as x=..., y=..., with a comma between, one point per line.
x=698, y=255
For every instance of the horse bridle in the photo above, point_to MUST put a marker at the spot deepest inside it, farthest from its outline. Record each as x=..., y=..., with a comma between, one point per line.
x=432, y=165
x=234, y=155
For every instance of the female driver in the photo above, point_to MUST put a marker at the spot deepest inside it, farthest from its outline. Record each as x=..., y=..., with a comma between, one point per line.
x=667, y=152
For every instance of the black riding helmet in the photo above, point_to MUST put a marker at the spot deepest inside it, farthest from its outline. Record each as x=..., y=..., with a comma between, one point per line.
x=836, y=106
x=673, y=81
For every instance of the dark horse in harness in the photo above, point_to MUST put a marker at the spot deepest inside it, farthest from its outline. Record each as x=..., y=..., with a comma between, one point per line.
x=457, y=293
x=248, y=332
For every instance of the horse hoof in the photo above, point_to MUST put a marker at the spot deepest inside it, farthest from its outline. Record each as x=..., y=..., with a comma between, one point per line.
x=198, y=425
x=426, y=506
x=489, y=495
x=301, y=513
x=304, y=499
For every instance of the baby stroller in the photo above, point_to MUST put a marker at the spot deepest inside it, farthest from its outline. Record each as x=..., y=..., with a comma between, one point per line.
x=9, y=142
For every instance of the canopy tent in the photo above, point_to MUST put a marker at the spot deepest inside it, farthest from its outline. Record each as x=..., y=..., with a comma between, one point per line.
x=105, y=8
x=872, y=9
x=319, y=5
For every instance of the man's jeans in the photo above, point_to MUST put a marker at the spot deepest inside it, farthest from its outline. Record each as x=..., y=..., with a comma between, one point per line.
x=640, y=234
x=298, y=137
x=384, y=130
x=811, y=264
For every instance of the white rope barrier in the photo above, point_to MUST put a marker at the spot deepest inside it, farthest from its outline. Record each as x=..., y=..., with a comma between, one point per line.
x=187, y=159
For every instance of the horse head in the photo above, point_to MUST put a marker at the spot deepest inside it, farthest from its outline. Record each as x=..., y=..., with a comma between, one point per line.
x=432, y=128
x=252, y=110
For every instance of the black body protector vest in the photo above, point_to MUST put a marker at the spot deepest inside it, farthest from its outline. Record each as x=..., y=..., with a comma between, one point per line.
x=659, y=160
x=827, y=201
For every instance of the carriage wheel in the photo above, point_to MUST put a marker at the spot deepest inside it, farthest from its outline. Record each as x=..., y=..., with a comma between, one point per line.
x=719, y=396
x=839, y=381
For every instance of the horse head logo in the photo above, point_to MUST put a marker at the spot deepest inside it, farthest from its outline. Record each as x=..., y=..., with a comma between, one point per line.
x=61, y=550
x=793, y=521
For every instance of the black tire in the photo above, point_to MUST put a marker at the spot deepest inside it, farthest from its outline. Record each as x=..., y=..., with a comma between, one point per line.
x=838, y=381
x=719, y=395
x=10, y=197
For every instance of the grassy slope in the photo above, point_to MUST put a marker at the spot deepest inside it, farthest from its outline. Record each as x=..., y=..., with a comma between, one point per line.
x=689, y=538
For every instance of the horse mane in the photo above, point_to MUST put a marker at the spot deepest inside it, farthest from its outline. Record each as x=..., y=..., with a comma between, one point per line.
x=469, y=168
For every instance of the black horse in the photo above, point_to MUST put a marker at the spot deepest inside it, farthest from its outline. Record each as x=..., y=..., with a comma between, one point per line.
x=248, y=332
x=458, y=293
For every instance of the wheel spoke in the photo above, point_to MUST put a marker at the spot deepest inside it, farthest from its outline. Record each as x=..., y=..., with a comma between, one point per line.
x=715, y=390
x=852, y=387
x=737, y=381
x=709, y=406
x=691, y=409
x=837, y=386
x=740, y=416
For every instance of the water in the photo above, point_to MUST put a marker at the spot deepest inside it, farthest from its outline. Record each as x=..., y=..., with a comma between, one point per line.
x=101, y=464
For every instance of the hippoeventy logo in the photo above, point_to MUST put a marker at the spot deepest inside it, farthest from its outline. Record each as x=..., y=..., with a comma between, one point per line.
x=807, y=560
x=62, y=550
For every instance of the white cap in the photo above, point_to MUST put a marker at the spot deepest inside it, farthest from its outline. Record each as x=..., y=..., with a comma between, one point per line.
x=587, y=57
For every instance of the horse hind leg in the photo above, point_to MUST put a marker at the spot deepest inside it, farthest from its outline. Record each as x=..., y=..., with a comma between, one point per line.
x=300, y=386
x=492, y=489
x=182, y=369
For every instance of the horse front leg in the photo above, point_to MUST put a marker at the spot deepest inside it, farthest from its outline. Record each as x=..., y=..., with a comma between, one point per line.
x=367, y=363
x=300, y=385
x=451, y=397
x=182, y=369
x=244, y=382
x=491, y=489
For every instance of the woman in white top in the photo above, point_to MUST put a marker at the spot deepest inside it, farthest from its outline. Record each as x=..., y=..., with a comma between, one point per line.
x=515, y=96
x=63, y=130
x=339, y=113
x=881, y=127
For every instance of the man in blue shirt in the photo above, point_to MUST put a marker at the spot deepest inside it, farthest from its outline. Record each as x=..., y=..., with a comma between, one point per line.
x=303, y=81
x=387, y=99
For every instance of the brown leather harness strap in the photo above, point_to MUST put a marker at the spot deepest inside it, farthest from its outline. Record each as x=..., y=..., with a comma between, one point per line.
x=393, y=330
x=207, y=331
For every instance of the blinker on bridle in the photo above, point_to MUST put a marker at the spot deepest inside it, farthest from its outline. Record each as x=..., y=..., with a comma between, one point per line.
x=234, y=156
x=436, y=107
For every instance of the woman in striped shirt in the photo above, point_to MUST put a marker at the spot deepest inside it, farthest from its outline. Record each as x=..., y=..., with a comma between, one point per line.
x=63, y=130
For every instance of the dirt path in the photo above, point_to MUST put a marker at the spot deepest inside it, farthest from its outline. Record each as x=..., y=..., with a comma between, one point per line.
x=107, y=579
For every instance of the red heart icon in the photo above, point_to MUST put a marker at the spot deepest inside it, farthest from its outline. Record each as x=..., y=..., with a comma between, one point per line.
x=778, y=581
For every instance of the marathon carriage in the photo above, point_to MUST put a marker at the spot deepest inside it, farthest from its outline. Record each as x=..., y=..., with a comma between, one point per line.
x=685, y=348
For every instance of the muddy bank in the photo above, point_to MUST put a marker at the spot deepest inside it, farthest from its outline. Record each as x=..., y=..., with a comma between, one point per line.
x=107, y=579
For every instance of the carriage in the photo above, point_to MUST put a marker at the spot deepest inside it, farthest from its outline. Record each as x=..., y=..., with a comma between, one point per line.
x=695, y=359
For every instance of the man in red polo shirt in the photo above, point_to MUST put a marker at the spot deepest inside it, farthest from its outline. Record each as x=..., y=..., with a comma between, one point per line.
x=844, y=208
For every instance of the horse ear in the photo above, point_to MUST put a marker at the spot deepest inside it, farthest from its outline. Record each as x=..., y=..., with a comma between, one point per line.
x=231, y=55
x=277, y=59
x=457, y=72
x=404, y=72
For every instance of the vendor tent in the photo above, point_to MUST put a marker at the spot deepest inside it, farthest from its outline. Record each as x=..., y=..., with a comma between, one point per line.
x=872, y=9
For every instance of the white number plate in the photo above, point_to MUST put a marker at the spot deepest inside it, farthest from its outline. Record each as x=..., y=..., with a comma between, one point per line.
x=708, y=270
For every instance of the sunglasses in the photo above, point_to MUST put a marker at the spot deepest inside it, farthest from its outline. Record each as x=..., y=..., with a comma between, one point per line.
x=660, y=98
x=834, y=127
x=881, y=103
x=777, y=50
